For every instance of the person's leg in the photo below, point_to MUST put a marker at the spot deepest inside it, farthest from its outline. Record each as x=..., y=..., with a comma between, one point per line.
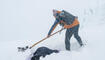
x=77, y=36
x=67, y=38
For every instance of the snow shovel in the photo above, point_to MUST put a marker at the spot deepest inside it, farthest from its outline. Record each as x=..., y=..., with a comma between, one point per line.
x=22, y=49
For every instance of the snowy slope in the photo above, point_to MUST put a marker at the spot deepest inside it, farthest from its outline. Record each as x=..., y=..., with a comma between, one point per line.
x=25, y=22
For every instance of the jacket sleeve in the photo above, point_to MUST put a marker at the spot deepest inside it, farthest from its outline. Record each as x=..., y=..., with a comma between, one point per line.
x=53, y=27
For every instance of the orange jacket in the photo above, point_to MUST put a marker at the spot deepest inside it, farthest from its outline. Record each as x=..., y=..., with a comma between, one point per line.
x=67, y=23
x=76, y=22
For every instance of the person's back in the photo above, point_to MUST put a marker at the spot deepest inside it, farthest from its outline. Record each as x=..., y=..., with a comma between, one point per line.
x=66, y=17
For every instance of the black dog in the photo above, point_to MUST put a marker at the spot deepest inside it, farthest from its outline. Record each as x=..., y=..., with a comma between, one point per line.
x=42, y=51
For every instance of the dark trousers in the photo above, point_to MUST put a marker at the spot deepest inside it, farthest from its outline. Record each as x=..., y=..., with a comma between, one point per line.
x=68, y=35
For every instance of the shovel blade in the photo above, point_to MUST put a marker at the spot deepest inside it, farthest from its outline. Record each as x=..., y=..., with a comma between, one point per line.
x=22, y=49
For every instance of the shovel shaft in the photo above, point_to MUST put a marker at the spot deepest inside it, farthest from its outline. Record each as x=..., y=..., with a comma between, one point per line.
x=45, y=38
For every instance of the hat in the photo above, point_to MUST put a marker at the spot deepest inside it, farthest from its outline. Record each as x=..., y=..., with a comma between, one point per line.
x=55, y=12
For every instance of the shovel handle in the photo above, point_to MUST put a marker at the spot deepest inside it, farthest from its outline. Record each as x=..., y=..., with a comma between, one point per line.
x=45, y=38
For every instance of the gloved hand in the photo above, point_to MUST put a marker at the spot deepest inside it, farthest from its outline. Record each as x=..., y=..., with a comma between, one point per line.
x=48, y=36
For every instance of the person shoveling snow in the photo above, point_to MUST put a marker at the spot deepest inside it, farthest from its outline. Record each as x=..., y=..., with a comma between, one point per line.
x=70, y=23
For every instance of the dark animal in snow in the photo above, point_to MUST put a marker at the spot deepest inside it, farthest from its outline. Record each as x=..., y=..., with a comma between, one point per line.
x=42, y=51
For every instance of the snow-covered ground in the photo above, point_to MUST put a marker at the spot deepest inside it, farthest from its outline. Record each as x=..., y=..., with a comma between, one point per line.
x=24, y=22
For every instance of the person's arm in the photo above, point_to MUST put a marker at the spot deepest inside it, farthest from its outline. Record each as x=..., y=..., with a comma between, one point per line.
x=53, y=27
